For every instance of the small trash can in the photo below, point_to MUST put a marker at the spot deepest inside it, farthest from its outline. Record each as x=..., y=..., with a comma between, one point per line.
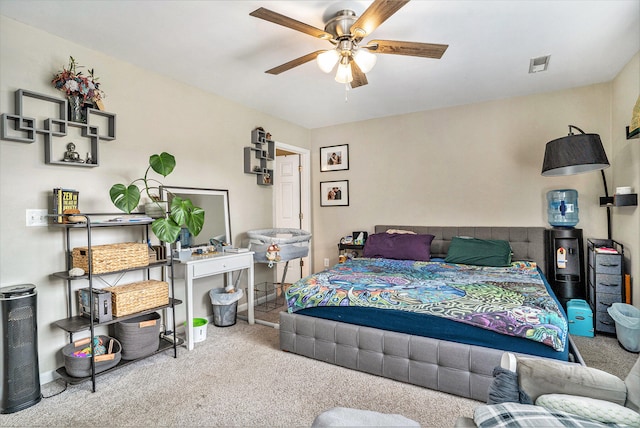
x=627, y=320
x=199, y=330
x=225, y=306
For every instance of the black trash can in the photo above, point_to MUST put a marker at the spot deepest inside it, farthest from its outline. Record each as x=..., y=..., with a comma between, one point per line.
x=225, y=306
x=19, y=348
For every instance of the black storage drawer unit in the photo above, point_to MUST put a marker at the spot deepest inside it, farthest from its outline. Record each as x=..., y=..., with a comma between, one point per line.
x=605, y=273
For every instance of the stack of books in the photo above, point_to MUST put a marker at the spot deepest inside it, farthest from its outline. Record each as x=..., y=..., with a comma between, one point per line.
x=606, y=250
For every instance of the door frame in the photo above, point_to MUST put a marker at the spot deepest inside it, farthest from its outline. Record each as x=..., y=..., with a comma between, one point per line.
x=305, y=191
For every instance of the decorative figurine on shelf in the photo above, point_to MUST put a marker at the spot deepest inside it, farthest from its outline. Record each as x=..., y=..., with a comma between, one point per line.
x=273, y=254
x=71, y=155
x=266, y=178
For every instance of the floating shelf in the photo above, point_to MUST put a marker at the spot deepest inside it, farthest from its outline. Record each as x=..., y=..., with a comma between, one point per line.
x=257, y=157
x=20, y=128
x=629, y=200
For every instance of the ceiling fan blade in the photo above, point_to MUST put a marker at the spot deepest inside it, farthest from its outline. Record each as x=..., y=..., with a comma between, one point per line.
x=359, y=78
x=294, y=63
x=285, y=21
x=376, y=14
x=395, y=47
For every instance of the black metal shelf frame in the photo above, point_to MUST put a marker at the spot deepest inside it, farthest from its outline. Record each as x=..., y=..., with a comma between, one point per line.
x=75, y=324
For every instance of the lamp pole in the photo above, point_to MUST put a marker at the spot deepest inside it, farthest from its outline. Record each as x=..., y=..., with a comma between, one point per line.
x=607, y=200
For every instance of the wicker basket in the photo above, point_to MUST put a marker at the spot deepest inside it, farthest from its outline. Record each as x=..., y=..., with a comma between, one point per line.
x=81, y=367
x=111, y=257
x=138, y=296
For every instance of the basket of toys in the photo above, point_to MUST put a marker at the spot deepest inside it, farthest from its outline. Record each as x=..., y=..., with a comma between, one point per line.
x=77, y=355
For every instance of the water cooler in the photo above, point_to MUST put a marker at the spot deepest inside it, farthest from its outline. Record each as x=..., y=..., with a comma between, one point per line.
x=19, y=348
x=565, y=250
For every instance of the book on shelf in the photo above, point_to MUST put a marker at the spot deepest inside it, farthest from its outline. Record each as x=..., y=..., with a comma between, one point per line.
x=606, y=250
x=64, y=201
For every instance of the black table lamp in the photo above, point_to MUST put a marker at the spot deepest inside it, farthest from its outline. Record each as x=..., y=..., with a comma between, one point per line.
x=575, y=154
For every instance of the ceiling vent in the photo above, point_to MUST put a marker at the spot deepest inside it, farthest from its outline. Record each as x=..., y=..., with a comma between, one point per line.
x=539, y=64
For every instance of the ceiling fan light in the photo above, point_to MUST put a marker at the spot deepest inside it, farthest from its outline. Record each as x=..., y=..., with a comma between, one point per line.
x=344, y=74
x=327, y=60
x=365, y=60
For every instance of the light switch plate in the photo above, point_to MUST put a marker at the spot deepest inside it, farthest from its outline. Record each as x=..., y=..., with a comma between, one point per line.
x=36, y=217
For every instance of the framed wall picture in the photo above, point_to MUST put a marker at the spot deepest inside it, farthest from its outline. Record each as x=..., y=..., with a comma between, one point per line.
x=334, y=193
x=334, y=158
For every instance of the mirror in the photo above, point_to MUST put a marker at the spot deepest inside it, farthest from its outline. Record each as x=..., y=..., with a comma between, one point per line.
x=215, y=204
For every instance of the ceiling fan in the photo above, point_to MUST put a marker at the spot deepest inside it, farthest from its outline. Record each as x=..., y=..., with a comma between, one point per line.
x=346, y=32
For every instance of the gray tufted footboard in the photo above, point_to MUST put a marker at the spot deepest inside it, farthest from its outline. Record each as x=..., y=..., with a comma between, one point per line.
x=463, y=370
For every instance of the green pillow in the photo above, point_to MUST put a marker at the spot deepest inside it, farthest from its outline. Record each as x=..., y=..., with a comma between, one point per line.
x=480, y=252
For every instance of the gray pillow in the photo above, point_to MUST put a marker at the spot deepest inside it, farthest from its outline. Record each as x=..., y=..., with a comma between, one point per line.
x=633, y=387
x=541, y=376
x=347, y=417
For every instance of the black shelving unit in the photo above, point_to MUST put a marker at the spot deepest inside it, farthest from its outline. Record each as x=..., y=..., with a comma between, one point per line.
x=77, y=323
x=605, y=273
x=351, y=248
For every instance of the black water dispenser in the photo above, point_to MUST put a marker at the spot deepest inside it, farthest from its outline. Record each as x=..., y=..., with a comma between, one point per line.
x=565, y=263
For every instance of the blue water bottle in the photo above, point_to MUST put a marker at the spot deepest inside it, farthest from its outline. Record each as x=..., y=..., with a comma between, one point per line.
x=562, y=210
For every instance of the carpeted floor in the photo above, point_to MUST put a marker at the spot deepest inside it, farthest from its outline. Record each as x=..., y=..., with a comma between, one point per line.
x=239, y=377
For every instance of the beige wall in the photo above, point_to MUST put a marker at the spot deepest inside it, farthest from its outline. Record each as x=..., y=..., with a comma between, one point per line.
x=469, y=165
x=480, y=165
x=625, y=159
x=205, y=132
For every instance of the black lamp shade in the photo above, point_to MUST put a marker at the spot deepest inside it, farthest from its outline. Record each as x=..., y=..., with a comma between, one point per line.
x=574, y=154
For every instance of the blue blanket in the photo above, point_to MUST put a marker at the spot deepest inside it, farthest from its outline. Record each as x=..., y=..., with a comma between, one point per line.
x=508, y=300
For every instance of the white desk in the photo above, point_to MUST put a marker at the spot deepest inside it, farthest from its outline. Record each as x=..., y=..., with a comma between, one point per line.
x=209, y=266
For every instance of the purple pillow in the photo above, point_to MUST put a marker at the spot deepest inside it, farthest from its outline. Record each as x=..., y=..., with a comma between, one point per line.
x=399, y=246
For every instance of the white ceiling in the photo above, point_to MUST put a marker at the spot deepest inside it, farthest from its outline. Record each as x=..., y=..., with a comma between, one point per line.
x=217, y=46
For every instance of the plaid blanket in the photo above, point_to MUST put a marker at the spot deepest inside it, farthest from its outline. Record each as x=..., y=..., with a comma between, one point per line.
x=514, y=415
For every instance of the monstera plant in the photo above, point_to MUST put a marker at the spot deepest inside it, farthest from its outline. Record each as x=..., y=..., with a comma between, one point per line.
x=182, y=211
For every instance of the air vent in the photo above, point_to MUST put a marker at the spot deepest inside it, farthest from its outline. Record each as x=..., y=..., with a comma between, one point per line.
x=539, y=64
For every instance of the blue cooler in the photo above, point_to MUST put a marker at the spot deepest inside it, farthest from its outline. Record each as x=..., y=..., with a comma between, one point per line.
x=580, y=318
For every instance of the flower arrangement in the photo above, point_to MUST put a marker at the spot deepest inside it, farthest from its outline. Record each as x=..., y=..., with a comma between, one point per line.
x=73, y=82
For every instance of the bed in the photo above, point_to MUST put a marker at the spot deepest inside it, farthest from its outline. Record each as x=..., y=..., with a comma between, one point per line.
x=423, y=347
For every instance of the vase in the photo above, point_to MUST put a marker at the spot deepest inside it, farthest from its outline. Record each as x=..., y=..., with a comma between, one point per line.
x=156, y=209
x=75, y=109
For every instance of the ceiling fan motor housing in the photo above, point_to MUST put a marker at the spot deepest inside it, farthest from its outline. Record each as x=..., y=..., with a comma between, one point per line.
x=340, y=25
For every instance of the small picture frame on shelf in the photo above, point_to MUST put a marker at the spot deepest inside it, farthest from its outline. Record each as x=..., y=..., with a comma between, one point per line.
x=334, y=193
x=334, y=158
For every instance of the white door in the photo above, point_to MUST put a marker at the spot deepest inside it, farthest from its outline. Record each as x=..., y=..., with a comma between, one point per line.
x=287, y=207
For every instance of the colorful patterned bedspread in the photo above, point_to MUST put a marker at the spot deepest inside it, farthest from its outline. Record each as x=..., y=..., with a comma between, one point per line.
x=509, y=300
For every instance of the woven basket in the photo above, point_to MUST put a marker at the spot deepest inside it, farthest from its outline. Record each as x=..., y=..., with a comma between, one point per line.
x=111, y=257
x=138, y=296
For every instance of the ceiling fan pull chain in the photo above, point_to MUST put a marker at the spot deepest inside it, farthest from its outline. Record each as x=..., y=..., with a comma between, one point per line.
x=346, y=92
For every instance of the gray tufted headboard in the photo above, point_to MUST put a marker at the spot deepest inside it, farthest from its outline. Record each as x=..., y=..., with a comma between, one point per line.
x=527, y=243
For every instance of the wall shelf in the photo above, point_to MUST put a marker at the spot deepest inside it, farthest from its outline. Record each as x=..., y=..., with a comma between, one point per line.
x=629, y=200
x=258, y=157
x=21, y=128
